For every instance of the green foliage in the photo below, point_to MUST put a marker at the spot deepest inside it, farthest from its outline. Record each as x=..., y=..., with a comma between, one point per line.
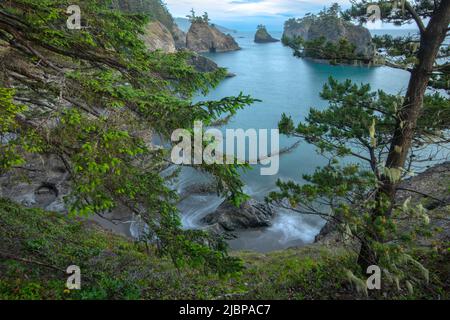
x=355, y=133
x=337, y=52
x=322, y=49
x=103, y=94
x=154, y=9
x=198, y=19
x=393, y=11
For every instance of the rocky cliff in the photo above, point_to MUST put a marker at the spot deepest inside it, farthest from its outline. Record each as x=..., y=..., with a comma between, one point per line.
x=203, y=64
x=429, y=188
x=184, y=24
x=203, y=37
x=249, y=215
x=263, y=36
x=333, y=29
x=157, y=36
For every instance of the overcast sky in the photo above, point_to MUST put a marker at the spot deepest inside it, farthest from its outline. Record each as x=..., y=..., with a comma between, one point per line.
x=247, y=14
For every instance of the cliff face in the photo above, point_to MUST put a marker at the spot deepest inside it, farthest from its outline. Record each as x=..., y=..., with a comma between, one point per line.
x=262, y=36
x=206, y=38
x=333, y=29
x=157, y=36
x=162, y=24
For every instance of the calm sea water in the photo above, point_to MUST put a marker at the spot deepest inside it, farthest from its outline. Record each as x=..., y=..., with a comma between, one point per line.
x=285, y=84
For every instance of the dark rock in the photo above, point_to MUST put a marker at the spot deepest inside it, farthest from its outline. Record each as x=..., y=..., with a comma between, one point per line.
x=262, y=36
x=203, y=37
x=249, y=215
x=158, y=37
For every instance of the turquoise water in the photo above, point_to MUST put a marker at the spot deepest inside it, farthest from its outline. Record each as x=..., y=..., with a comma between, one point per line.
x=271, y=73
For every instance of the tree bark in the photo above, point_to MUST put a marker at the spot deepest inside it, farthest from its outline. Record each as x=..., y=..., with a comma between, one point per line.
x=430, y=42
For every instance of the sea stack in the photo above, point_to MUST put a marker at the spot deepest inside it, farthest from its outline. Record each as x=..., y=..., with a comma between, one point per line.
x=262, y=36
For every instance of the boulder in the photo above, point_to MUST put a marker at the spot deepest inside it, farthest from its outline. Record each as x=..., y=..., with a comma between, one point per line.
x=203, y=37
x=263, y=36
x=249, y=215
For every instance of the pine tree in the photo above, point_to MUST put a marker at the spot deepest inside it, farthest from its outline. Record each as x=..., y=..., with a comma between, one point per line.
x=86, y=95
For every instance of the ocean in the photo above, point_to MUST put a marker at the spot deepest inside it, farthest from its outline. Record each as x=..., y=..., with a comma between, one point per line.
x=285, y=84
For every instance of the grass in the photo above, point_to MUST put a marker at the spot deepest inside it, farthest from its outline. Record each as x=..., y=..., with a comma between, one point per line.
x=37, y=247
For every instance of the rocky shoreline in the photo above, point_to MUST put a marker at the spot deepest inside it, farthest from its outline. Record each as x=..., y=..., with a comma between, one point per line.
x=263, y=36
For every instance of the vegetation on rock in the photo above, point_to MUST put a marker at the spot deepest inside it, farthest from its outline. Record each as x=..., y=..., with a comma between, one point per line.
x=86, y=95
x=262, y=36
x=328, y=36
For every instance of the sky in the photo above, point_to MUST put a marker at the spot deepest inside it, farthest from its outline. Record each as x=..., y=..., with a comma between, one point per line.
x=247, y=14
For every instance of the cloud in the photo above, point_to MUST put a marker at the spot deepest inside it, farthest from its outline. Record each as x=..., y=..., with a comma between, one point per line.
x=237, y=9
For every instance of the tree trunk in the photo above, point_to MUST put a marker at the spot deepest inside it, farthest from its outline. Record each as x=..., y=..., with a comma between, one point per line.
x=430, y=43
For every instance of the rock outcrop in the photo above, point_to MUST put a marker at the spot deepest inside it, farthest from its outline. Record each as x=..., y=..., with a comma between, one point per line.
x=263, y=36
x=249, y=215
x=203, y=37
x=157, y=12
x=333, y=29
x=430, y=189
x=203, y=64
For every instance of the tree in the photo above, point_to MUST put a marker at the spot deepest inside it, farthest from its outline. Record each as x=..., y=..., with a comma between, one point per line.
x=206, y=18
x=384, y=131
x=432, y=37
x=87, y=95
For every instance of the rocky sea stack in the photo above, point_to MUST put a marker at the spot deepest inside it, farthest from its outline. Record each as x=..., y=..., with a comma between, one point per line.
x=162, y=32
x=203, y=37
x=262, y=36
x=328, y=36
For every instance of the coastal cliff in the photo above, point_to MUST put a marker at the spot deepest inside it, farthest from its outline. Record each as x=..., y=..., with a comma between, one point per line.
x=329, y=36
x=162, y=23
x=203, y=37
x=263, y=36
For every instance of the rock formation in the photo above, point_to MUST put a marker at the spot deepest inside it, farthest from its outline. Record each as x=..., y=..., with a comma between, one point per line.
x=157, y=13
x=262, y=36
x=333, y=29
x=203, y=64
x=203, y=37
x=249, y=215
